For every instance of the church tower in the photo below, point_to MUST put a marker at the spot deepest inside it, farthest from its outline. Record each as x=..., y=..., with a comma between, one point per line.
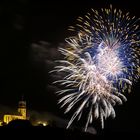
x=22, y=108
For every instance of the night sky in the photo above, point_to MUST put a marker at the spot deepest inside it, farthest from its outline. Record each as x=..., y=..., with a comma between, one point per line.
x=30, y=33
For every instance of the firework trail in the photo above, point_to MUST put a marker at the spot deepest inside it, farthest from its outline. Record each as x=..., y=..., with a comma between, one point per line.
x=100, y=63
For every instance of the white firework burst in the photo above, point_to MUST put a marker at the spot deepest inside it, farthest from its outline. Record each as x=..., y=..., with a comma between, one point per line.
x=96, y=66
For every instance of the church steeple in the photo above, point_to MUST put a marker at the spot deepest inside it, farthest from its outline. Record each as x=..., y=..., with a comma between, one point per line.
x=22, y=107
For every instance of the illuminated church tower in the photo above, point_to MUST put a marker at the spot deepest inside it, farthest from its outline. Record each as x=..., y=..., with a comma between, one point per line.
x=22, y=108
x=21, y=113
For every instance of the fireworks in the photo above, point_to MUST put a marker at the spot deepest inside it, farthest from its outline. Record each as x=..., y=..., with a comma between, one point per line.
x=101, y=62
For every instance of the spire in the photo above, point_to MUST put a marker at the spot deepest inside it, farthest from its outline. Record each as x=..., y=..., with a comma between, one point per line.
x=22, y=97
x=22, y=102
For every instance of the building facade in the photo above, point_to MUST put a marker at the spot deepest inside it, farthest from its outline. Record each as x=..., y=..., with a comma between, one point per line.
x=21, y=113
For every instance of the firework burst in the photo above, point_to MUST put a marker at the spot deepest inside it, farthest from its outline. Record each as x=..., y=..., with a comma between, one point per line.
x=100, y=63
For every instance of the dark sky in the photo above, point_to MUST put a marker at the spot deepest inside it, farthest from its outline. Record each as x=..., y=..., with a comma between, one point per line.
x=25, y=62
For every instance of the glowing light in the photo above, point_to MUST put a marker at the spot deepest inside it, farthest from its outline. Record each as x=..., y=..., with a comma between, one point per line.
x=100, y=63
x=42, y=123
